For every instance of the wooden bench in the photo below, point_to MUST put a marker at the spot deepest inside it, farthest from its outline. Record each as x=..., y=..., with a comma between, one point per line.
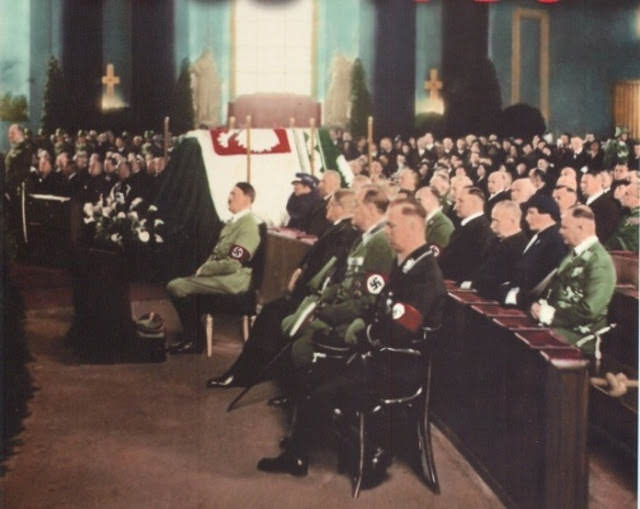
x=513, y=398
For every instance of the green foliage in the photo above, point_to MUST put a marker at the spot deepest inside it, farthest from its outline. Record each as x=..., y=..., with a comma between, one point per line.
x=13, y=109
x=182, y=113
x=56, y=111
x=360, y=101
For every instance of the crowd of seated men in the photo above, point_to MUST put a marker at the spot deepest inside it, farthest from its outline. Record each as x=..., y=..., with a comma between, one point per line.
x=91, y=164
x=525, y=222
x=531, y=239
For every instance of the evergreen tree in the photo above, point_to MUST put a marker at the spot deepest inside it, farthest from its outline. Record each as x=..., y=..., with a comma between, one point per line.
x=182, y=113
x=56, y=112
x=360, y=101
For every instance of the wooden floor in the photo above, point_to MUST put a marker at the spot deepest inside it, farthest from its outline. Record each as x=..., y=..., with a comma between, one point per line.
x=151, y=435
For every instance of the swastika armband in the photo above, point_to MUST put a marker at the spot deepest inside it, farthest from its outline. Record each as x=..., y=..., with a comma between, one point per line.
x=406, y=316
x=375, y=283
x=239, y=253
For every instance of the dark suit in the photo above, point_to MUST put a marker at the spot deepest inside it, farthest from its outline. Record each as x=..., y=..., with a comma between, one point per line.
x=491, y=201
x=318, y=222
x=541, y=257
x=607, y=216
x=576, y=161
x=468, y=249
x=299, y=208
x=500, y=266
x=266, y=338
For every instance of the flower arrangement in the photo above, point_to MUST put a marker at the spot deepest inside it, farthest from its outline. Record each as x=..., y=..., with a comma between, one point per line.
x=111, y=222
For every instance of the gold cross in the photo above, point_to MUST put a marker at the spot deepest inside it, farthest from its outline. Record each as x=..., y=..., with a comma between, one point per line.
x=433, y=85
x=110, y=80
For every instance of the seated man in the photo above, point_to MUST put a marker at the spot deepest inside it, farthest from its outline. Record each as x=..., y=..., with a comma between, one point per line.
x=625, y=237
x=540, y=256
x=266, y=339
x=225, y=271
x=439, y=226
x=414, y=297
x=469, y=245
x=578, y=296
x=603, y=206
x=500, y=265
x=329, y=184
x=368, y=263
x=302, y=201
x=497, y=188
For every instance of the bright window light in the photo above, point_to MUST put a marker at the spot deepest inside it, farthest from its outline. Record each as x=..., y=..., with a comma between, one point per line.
x=273, y=46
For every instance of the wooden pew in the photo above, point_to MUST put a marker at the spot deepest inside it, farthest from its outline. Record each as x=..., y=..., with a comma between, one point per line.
x=513, y=398
x=285, y=249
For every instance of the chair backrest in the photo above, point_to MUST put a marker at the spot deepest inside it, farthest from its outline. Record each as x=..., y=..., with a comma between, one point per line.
x=258, y=261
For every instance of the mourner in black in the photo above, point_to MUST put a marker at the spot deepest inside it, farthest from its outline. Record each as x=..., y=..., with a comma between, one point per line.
x=501, y=263
x=541, y=255
x=469, y=245
x=318, y=222
x=413, y=297
x=603, y=206
x=304, y=198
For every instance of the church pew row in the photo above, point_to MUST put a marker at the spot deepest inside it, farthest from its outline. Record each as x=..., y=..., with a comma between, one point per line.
x=513, y=398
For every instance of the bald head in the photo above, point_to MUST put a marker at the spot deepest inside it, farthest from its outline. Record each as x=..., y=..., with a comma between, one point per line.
x=505, y=218
x=330, y=182
x=521, y=190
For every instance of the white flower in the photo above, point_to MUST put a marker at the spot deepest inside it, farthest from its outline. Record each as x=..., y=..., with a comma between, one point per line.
x=135, y=203
x=87, y=209
x=133, y=216
x=152, y=208
x=116, y=237
x=158, y=239
x=121, y=215
x=144, y=236
x=158, y=222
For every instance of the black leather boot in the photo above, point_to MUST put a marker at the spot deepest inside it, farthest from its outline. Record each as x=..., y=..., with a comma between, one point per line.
x=286, y=463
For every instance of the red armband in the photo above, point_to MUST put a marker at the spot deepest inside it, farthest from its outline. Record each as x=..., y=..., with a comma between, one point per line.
x=407, y=316
x=239, y=253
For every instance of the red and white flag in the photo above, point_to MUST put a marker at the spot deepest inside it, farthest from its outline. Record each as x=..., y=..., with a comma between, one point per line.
x=274, y=163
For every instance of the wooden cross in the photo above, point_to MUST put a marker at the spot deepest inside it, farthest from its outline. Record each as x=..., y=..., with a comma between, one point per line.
x=433, y=85
x=110, y=80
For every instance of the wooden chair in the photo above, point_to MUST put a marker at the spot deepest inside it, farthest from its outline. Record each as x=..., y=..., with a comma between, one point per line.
x=244, y=304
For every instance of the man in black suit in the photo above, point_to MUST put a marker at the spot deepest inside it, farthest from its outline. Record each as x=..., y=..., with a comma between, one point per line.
x=497, y=188
x=304, y=198
x=413, y=298
x=329, y=184
x=266, y=338
x=469, y=245
x=577, y=157
x=540, y=256
x=500, y=266
x=603, y=206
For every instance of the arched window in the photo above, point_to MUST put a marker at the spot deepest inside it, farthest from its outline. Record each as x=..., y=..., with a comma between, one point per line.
x=273, y=46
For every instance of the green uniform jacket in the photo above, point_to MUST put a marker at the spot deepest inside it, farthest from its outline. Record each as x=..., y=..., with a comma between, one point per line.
x=439, y=230
x=342, y=302
x=580, y=293
x=346, y=300
x=625, y=237
x=225, y=270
